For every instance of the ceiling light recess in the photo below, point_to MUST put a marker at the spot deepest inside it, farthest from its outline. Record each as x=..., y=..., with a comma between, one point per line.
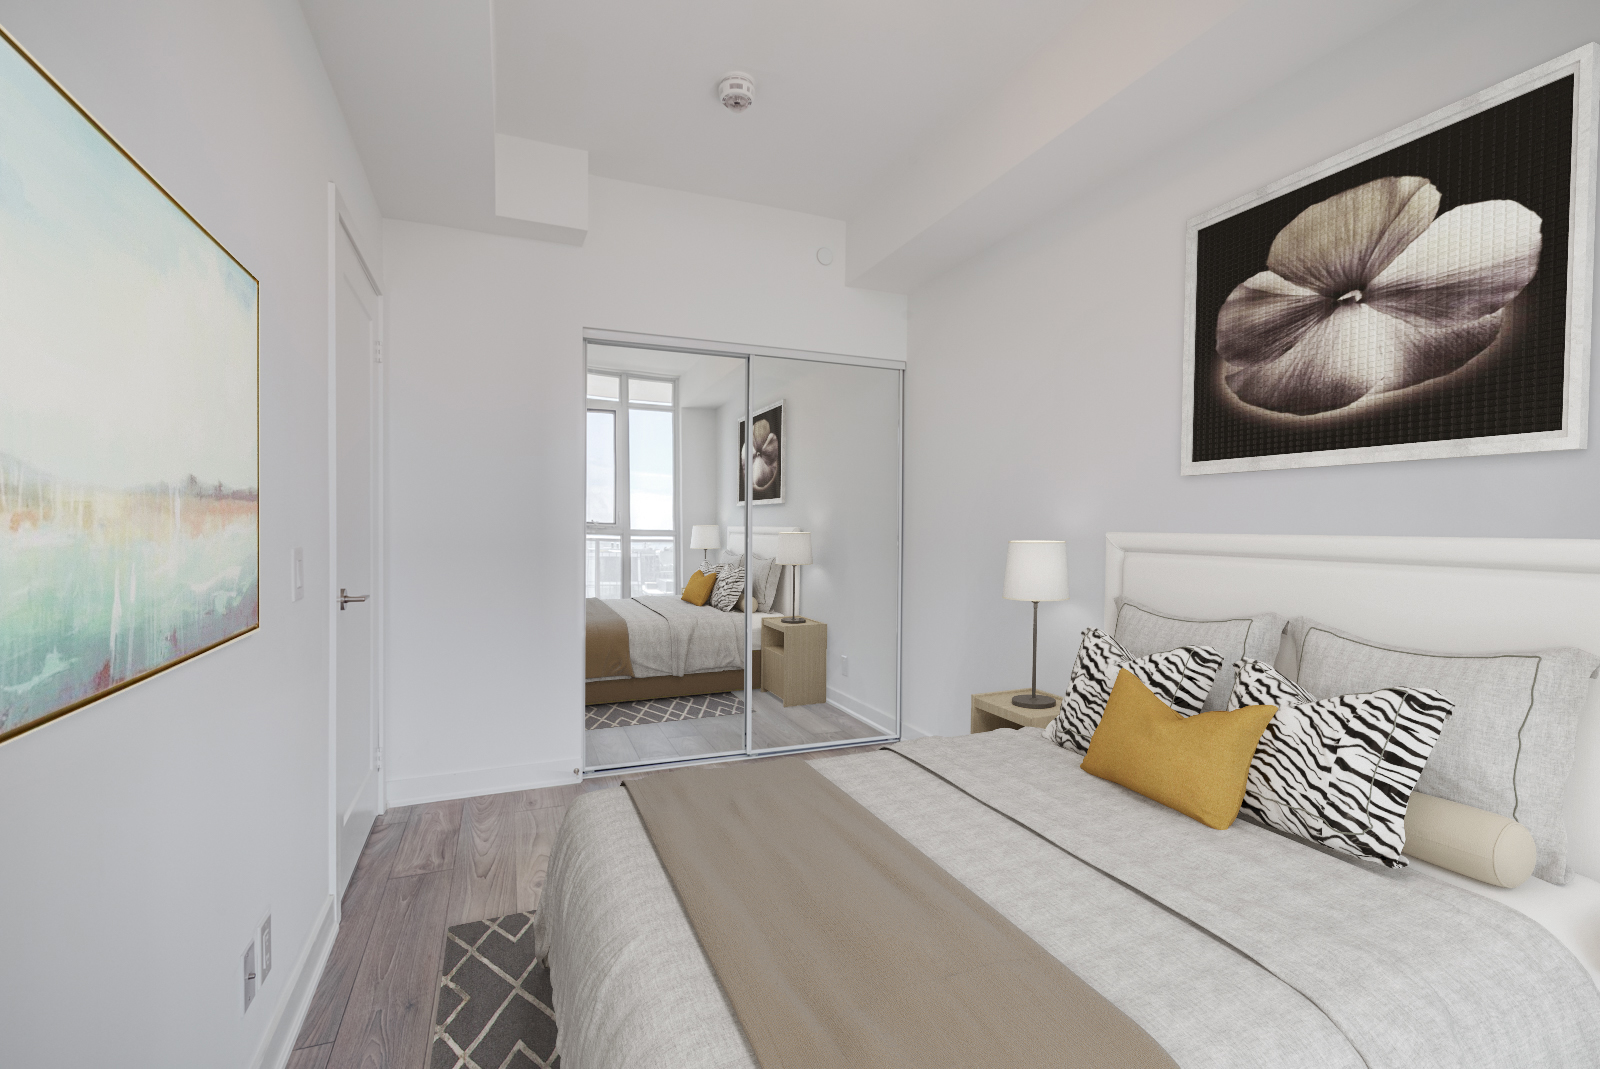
x=737, y=90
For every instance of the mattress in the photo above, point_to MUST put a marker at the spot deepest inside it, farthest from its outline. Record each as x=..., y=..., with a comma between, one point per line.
x=1233, y=948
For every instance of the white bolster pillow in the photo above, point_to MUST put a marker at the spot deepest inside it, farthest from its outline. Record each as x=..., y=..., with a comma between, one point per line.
x=1485, y=846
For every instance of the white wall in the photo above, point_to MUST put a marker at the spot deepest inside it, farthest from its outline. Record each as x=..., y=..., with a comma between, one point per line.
x=697, y=448
x=485, y=363
x=147, y=834
x=1044, y=390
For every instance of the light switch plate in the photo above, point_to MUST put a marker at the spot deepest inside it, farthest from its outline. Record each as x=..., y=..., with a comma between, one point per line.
x=297, y=574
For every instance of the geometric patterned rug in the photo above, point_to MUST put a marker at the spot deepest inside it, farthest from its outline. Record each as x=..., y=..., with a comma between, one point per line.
x=662, y=710
x=495, y=1009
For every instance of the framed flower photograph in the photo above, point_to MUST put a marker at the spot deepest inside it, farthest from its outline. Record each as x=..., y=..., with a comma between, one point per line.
x=1427, y=294
x=766, y=449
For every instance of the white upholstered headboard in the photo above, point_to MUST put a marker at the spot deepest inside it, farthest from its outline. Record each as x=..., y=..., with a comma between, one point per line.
x=763, y=540
x=1467, y=595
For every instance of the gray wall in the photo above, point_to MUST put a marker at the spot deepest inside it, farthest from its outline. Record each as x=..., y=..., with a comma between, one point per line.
x=1043, y=396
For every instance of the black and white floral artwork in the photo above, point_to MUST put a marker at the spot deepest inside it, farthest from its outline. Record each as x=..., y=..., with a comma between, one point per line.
x=1425, y=295
x=766, y=452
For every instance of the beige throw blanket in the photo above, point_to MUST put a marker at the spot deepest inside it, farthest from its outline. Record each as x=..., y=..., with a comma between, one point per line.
x=839, y=944
x=605, y=650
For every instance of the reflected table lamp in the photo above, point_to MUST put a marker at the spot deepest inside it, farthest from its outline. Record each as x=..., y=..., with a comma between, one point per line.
x=705, y=536
x=1036, y=571
x=794, y=548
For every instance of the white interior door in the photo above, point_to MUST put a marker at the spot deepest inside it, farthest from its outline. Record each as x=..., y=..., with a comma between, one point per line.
x=356, y=735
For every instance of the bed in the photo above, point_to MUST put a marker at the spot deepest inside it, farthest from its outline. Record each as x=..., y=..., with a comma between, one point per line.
x=1232, y=948
x=664, y=647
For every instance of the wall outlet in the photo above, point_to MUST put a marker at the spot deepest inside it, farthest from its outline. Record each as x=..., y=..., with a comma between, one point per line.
x=249, y=962
x=844, y=664
x=265, y=943
x=297, y=574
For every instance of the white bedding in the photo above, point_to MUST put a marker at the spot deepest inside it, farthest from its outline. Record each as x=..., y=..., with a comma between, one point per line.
x=668, y=636
x=1232, y=949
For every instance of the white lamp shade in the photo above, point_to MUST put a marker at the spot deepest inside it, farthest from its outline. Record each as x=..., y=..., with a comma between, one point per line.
x=794, y=547
x=705, y=536
x=1036, y=571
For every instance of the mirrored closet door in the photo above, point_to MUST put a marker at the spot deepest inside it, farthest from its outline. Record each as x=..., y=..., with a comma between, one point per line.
x=742, y=568
x=823, y=488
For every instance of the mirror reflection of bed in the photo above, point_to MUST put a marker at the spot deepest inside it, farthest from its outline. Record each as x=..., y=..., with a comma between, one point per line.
x=677, y=621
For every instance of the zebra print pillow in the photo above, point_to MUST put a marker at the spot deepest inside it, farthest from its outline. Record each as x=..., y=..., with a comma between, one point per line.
x=1182, y=678
x=730, y=587
x=1338, y=771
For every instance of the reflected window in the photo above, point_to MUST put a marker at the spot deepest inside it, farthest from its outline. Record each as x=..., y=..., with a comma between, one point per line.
x=649, y=392
x=600, y=494
x=602, y=572
x=605, y=387
x=650, y=470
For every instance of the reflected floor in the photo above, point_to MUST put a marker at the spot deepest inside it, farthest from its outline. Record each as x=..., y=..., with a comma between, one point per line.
x=798, y=725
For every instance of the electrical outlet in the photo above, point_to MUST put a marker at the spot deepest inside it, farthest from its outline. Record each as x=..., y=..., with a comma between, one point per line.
x=249, y=975
x=844, y=664
x=265, y=943
x=297, y=574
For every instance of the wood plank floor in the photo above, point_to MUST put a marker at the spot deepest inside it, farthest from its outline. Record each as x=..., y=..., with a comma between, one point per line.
x=775, y=725
x=425, y=868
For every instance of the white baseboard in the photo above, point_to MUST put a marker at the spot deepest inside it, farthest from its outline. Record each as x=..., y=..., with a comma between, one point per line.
x=441, y=786
x=870, y=715
x=278, y=1044
x=909, y=731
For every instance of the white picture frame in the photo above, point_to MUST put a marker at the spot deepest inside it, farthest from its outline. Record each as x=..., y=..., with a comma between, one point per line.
x=1205, y=379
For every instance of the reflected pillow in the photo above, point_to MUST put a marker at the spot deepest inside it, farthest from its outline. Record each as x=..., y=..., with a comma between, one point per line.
x=729, y=587
x=1181, y=678
x=1194, y=764
x=1339, y=771
x=698, y=590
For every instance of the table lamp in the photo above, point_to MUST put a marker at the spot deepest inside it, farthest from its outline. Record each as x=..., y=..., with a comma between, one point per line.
x=794, y=548
x=1036, y=571
x=704, y=536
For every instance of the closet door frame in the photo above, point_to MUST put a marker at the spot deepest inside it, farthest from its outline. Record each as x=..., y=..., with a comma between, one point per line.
x=632, y=340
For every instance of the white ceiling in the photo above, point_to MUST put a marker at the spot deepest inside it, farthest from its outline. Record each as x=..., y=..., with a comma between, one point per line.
x=933, y=128
x=846, y=90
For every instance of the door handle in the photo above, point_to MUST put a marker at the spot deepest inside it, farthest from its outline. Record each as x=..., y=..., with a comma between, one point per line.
x=346, y=598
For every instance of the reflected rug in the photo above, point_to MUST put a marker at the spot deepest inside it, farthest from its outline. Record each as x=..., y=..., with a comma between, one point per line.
x=494, y=1000
x=661, y=710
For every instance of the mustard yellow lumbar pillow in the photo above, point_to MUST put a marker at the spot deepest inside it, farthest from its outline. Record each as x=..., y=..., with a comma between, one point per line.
x=1194, y=764
x=698, y=590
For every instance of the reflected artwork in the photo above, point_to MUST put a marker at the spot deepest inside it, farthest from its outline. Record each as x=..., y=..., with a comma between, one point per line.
x=128, y=417
x=766, y=478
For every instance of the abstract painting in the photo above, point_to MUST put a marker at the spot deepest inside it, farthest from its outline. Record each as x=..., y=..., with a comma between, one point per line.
x=766, y=480
x=1424, y=295
x=128, y=416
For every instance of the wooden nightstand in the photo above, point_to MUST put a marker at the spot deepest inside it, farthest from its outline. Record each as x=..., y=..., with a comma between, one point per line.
x=794, y=660
x=994, y=710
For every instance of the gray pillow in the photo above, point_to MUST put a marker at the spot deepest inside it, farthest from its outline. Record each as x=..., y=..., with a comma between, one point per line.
x=1508, y=748
x=1142, y=631
x=763, y=578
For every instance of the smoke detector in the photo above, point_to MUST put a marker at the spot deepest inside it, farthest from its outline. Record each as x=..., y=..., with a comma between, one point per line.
x=737, y=90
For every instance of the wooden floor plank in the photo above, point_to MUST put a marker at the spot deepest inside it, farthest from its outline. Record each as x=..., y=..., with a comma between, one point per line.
x=395, y=814
x=388, y=1020
x=547, y=797
x=536, y=835
x=310, y=1057
x=430, y=841
x=484, y=877
x=650, y=741
x=608, y=746
x=357, y=914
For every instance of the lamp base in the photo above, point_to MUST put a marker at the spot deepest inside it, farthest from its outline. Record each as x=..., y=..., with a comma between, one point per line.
x=1032, y=701
x=793, y=620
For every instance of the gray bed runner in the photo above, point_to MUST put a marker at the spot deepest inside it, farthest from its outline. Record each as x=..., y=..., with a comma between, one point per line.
x=842, y=946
